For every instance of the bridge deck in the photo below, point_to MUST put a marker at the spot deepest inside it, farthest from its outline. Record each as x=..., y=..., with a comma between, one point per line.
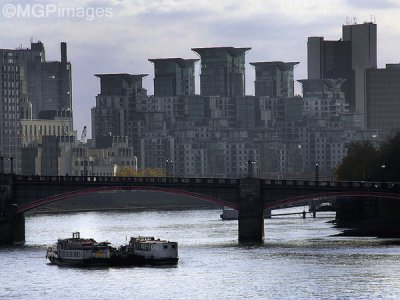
x=33, y=191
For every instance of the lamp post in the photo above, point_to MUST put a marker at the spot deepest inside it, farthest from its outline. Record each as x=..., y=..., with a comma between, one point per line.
x=2, y=164
x=300, y=148
x=316, y=172
x=169, y=168
x=250, y=168
x=12, y=164
x=383, y=167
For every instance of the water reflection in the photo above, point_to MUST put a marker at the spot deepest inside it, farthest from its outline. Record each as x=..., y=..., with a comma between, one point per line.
x=299, y=259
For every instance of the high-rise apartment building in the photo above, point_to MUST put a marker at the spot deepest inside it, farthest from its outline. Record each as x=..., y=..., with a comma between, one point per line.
x=115, y=103
x=274, y=79
x=215, y=134
x=222, y=71
x=173, y=77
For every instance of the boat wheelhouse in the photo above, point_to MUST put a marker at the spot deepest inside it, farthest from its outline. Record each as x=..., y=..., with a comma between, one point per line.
x=79, y=251
x=154, y=250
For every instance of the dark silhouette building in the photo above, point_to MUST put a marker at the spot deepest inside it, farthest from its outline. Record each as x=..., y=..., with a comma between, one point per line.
x=332, y=59
x=347, y=58
x=383, y=97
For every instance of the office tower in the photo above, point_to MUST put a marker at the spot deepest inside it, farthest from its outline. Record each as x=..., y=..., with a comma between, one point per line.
x=363, y=43
x=222, y=71
x=274, y=79
x=48, y=83
x=173, y=77
x=29, y=84
x=332, y=59
x=328, y=59
x=383, y=97
x=363, y=39
x=346, y=58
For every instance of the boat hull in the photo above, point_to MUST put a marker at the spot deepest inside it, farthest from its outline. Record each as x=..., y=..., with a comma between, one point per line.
x=129, y=260
x=79, y=262
x=136, y=260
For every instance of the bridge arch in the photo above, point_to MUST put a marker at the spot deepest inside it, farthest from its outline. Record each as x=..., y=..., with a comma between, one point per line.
x=302, y=199
x=58, y=197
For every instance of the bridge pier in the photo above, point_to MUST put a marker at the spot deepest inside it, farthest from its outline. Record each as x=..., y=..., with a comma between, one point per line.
x=12, y=230
x=251, y=212
x=12, y=225
x=369, y=216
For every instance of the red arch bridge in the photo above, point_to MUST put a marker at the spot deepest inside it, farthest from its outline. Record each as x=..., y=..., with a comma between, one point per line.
x=19, y=194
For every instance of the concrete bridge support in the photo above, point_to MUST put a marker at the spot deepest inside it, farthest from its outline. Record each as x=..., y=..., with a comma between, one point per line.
x=12, y=230
x=12, y=225
x=369, y=216
x=251, y=212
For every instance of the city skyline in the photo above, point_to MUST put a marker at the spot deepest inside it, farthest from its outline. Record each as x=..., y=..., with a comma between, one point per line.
x=137, y=31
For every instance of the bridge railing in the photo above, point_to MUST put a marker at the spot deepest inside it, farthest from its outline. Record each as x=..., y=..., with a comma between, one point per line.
x=340, y=184
x=122, y=180
x=207, y=181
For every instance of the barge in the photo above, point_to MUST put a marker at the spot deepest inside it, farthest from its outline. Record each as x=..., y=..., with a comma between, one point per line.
x=146, y=250
x=77, y=251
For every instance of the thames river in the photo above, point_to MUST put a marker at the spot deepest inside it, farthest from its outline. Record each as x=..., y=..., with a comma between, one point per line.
x=300, y=259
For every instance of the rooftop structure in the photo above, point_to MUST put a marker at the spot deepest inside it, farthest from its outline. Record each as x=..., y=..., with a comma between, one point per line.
x=173, y=76
x=222, y=71
x=274, y=78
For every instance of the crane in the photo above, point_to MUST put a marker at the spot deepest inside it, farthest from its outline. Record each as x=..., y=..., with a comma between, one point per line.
x=83, y=135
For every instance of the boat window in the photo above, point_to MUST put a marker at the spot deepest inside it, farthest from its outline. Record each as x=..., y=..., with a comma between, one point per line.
x=142, y=246
x=165, y=247
x=173, y=246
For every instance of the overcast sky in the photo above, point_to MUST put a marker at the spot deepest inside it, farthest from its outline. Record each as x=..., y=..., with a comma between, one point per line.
x=120, y=35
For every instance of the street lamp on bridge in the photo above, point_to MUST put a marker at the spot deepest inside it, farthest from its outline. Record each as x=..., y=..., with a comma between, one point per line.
x=383, y=167
x=2, y=164
x=316, y=172
x=169, y=168
x=250, y=168
x=12, y=164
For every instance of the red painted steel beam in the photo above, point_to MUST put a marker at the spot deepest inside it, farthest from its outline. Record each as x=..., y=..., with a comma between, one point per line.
x=301, y=199
x=55, y=198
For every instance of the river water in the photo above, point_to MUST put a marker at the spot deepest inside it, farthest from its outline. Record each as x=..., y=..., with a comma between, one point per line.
x=300, y=259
